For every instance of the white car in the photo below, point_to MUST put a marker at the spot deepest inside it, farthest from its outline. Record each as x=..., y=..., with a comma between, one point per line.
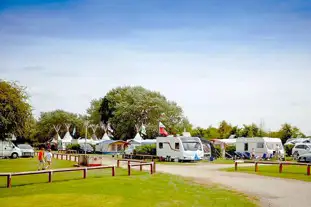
x=27, y=150
x=300, y=149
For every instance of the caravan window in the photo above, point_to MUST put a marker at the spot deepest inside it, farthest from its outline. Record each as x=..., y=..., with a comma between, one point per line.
x=245, y=146
x=192, y=146
x=161, y=145
x=176, y=145
x=260, y=145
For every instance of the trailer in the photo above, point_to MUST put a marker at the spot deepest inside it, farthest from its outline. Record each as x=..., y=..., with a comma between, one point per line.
x=260, y=146
x=180, y=148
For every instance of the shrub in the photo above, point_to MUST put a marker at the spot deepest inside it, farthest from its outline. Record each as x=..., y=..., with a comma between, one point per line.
x=288, y=149
x=146, y=150
x=73, y=147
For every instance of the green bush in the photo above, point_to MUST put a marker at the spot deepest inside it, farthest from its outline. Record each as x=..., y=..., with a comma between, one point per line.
x=146, y=150
x=73, y=147
x=288, y=149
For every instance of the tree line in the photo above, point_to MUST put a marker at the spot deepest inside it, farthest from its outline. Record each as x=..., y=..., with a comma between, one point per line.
x=125, y=109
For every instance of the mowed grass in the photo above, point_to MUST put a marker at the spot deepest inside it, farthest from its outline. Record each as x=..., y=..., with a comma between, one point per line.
x=289, y=171
x=101, y=189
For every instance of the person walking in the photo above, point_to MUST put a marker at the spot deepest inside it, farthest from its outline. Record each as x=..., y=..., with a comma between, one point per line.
x=41, y=159
x=48, y=158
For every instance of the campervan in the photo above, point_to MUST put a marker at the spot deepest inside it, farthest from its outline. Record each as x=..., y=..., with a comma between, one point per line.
x=180, y=148
x=8, y=149
x=260, y=146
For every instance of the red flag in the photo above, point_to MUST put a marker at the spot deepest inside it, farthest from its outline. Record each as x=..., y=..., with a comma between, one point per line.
x=162, y=130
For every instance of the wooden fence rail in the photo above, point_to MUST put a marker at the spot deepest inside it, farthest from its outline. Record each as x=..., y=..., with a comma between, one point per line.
x=281, y=164
x=51, y=172
x=151, y=164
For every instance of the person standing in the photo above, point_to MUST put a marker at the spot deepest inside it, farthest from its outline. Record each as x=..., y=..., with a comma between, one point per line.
x=41, y=159
x=48, y=158
x=253, y=154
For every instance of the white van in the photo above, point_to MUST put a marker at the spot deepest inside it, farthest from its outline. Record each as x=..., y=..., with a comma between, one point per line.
x=180, y=148
x=261, y=145
x=8, y=149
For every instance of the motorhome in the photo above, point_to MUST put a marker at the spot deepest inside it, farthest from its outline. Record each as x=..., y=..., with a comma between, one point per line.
x=260, y=146
x=180, y=148
x=8, y=149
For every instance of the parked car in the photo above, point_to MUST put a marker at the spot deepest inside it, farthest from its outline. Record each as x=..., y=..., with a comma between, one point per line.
x=300, y=149
x=8, y=149
x=86, y=147
x=27, y=150
x=305, y=158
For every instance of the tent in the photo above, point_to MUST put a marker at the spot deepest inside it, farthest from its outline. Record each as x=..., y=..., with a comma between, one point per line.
x=66, y=140
x=105, y=137
x=138, y=138
x=110, y=146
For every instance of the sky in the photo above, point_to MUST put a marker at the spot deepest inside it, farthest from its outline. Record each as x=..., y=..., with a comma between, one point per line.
x=241, y=61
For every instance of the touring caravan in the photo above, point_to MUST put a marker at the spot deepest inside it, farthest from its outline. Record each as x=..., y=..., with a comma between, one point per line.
x=180, y=148
x=260, y=146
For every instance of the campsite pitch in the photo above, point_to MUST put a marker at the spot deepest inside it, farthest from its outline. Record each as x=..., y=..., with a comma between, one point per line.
x=101, y=189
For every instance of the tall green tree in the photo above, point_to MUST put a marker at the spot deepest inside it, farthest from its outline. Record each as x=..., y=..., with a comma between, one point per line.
x=93, y=114
x=224, y=130
x=15, y=110
x=288, y=131
x=47, y=120
x=125, y=107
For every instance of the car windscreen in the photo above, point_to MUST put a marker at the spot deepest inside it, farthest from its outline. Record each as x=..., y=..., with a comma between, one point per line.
x=192, y=146
x=24, y=146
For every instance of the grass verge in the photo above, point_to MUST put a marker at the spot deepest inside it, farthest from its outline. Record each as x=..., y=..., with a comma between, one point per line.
x=289, y=172
x=101, y=189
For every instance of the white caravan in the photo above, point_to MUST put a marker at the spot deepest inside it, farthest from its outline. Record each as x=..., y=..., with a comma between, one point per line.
x=180, y=148
x=261, y=145
x=8, y=149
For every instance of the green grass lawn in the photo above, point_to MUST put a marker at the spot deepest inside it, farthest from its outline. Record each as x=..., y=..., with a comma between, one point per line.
x=101, y=189
x=289, y=171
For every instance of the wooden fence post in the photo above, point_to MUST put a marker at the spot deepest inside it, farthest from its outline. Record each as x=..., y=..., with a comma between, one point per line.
x=308, y=170
x=280, y=168
x=140, y=167
x=128, y=162
x=70, y=157
x=66, y=157
x=154, y=166
x=9, y=181
x=113, y=171
x=128, y=169
x=256, y=167
x=50, y=176
x=151, y=168
x=84, y=172
x=235, y=165
x=118, y=163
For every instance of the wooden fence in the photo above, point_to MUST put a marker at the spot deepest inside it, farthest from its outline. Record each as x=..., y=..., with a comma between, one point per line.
x=139, y=163
x=51, y=172
x=281, y=164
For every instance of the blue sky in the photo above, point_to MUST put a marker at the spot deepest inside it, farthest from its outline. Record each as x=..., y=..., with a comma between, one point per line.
x=243, y=61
